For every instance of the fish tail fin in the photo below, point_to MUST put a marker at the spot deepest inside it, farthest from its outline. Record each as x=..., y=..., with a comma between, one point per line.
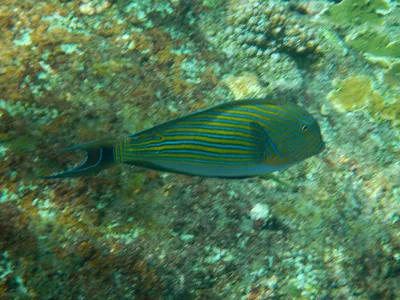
x=98, y=157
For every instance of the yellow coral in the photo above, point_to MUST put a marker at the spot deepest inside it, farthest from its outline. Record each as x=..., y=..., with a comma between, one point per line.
x=391, y=112
x=355, y=93
x=245, y=86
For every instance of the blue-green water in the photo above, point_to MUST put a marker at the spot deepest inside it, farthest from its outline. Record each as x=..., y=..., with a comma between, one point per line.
x=72, y=71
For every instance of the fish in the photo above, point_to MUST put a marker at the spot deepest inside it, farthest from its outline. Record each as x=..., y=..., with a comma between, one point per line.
x=237, y=139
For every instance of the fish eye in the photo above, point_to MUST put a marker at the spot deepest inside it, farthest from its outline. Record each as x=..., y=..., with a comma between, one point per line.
x=304, y=127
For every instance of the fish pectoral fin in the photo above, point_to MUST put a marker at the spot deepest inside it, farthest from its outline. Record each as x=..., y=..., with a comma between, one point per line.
x=267, y=146
x=97, y=159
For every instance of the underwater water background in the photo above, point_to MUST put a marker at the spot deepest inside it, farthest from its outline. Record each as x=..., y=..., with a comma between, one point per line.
x=72, y=71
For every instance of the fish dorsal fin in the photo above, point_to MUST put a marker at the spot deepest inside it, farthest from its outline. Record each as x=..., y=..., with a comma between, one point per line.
x=218, y=106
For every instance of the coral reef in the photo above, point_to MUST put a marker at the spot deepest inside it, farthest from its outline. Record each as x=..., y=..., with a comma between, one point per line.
x=262, y=28
x=271, y=39
x=77, y=70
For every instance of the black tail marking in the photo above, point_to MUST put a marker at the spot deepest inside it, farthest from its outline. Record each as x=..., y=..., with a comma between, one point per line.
x=97, y=159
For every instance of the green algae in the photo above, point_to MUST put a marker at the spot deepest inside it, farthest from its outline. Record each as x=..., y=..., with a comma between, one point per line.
x=392, y=76
x=110, y=68
x=356, y=12
x=21, y=145
x=375, y=42
x=135, y=182
x=391, y=111
x=294, y=292
x=370, y=33
x=212, y=3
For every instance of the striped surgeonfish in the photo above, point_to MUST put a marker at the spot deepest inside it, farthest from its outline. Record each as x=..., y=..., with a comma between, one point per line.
x=238, y=139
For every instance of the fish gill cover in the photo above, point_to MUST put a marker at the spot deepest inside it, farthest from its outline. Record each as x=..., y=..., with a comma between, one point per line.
x=72, y=71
